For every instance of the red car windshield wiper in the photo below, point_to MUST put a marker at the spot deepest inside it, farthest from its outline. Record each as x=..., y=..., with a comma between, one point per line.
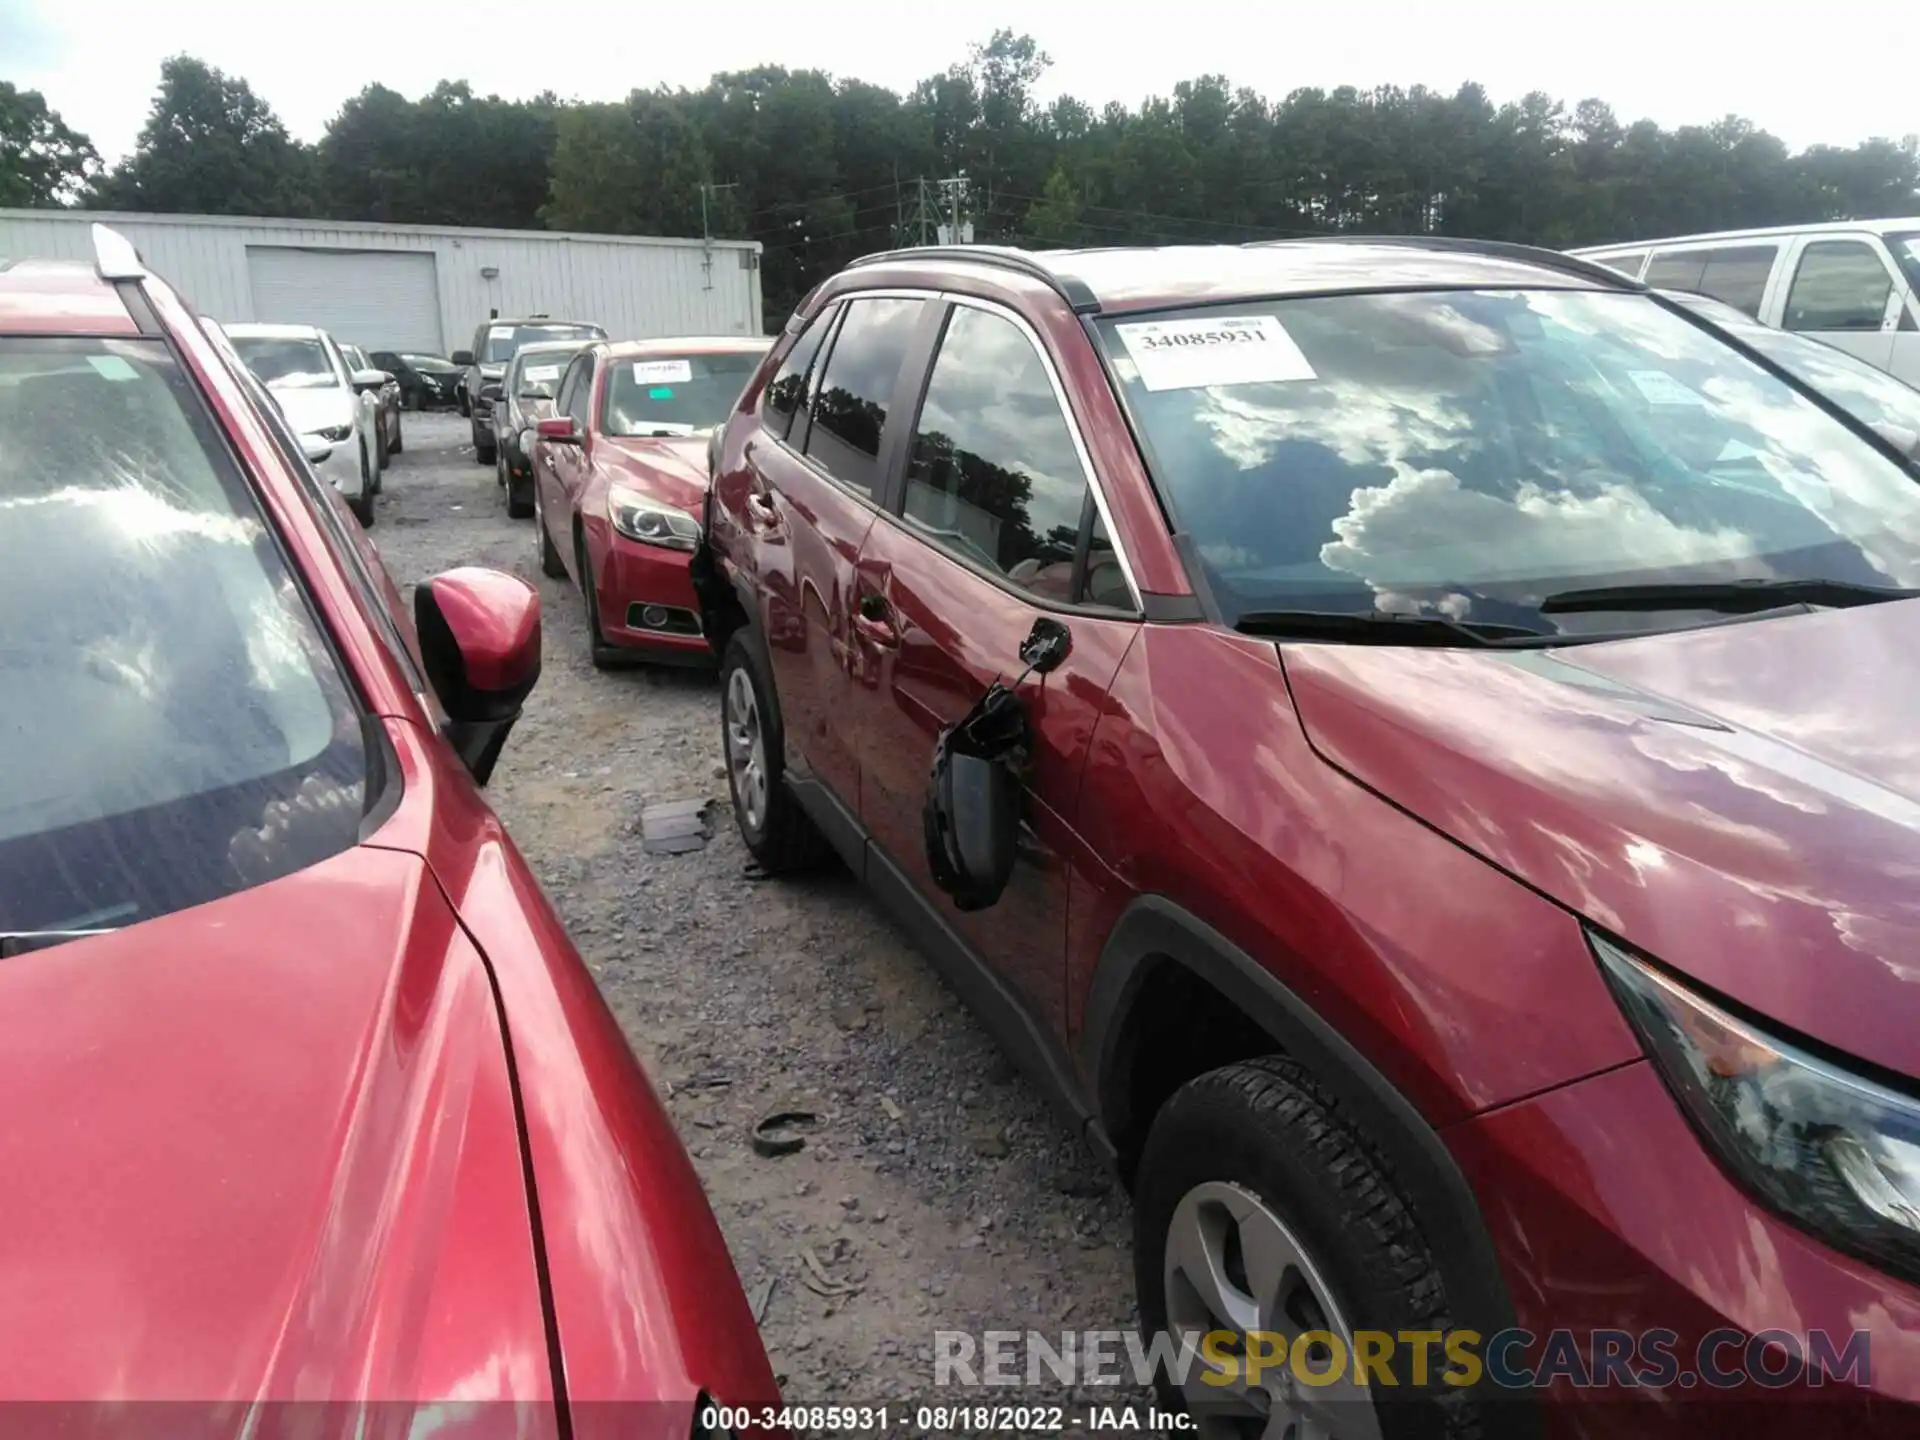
x=1380, y=627
x=1727, y=596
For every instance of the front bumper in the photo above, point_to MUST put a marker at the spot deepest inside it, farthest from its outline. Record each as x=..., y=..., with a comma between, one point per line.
x=1617, y=1231
x=341, y=469
x=633, y=578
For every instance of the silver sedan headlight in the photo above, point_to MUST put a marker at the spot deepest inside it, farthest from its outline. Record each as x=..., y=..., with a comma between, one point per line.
x=1835, y=1152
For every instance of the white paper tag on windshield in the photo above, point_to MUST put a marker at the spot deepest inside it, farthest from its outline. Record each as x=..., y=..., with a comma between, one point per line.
x=541, y=372
x=500, y=332
x=1221, y=350
x=662, y=372
x=1661, y=388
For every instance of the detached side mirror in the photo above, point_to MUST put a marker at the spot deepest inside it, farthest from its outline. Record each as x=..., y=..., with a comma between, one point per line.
x=462, y=358
x=480, y=642
x=559, y=427
x=317, y=451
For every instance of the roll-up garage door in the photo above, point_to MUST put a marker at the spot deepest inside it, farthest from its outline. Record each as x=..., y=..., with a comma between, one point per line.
x=376, y=299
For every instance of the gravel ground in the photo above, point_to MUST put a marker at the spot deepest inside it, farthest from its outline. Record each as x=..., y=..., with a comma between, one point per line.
x=938, y=1192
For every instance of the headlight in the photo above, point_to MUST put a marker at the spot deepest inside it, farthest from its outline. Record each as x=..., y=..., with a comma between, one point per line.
x=335, y=433
x=649, y=521
x=1834, y=1152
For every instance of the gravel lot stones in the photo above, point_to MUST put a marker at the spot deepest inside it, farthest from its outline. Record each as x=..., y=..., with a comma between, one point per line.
x=971, y=1207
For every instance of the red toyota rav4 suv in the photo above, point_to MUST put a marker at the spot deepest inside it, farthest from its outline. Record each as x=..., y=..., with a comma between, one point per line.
x=1412, y=742
x=315, y=1122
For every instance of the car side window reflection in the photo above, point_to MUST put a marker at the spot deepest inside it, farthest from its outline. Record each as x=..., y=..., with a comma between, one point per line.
x=580, y=403
x=787, y=391
x=993, y=474
x=850, y=411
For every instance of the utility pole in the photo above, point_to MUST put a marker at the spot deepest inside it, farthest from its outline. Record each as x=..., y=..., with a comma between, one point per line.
x=923, y=219
x=961, y=232
x=709, y=190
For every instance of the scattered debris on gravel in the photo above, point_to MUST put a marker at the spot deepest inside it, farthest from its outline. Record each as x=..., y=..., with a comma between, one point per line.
x=932, y=1189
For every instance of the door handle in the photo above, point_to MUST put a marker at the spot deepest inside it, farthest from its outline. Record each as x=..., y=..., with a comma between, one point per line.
x=872, y=623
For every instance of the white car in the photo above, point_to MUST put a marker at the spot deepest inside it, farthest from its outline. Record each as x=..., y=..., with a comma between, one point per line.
x=324, y=401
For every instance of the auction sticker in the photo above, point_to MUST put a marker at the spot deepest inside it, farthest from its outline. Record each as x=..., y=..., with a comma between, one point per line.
x=1220, y=350
x=542, y=372
x=662, y=372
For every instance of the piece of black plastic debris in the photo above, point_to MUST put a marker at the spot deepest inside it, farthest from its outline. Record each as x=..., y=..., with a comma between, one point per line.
x=754, y=870
x=675, y=827
x=779, y=1134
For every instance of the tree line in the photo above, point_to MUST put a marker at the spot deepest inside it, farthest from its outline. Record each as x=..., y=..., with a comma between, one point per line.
x=821, y=169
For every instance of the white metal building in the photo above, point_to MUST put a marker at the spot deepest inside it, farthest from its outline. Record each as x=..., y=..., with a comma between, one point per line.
x=418, y=287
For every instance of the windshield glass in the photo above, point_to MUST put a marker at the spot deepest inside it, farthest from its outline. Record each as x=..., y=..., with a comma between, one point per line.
x=1873, y=397
x=430, y=364
x=289, y=364
x=176, y=729
x=536, y=374
x=505, y=341
x=675, y=394
x=1468, y=453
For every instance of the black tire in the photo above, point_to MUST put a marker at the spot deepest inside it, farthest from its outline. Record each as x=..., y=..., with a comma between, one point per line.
x=551, y=565
x=500, y=467
x=399, y=436
x=363, y=509
x=484, y=450
x=1266, y=1126
x=379, y=451
x=519, y=498
x=603, y=655
x=783, y=839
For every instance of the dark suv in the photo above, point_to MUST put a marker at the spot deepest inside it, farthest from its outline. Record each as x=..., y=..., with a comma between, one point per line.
x=1410, y=743
x=495, y=343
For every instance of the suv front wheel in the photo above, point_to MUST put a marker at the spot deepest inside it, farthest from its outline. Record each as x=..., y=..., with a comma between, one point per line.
x=1260, y=1211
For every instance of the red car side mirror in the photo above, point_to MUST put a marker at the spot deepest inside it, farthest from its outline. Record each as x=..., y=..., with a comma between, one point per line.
x=480, y=641
x=561, y=428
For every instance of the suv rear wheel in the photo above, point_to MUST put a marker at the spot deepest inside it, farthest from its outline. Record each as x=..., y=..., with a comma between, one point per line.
x=777, y=831
x=1257, y=1207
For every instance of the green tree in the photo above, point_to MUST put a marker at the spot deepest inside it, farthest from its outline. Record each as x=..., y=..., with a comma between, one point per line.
x=631, y=169
x=210, y=147
x=1053, y=221
x=42, y=162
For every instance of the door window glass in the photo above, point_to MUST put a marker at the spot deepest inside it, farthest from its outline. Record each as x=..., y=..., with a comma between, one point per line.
x=1738, y=275
x=1840, y=285
x=1677, y=270
x=993, y=474
x=787, y=391
x=850, y=412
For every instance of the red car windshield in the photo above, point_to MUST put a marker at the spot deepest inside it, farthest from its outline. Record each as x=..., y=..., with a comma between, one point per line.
x=1468, y=453
x=176, y=727
x=675, y=394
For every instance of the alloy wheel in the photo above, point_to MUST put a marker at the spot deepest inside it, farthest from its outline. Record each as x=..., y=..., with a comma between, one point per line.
x=746, y=750
x=1232, y=1264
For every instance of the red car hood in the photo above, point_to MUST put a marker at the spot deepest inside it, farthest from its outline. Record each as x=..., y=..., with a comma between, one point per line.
x=264, y=1150
x=1741, y=802
x=669, y=468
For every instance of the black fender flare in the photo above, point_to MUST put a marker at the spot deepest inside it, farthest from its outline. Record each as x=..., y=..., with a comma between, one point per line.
x=1153, y=931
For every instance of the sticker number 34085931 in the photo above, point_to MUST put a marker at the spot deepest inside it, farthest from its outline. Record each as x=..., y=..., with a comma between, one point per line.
x=1219, y=350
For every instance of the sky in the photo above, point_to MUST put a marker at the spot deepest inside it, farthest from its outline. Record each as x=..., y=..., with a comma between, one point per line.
x=1835, y=73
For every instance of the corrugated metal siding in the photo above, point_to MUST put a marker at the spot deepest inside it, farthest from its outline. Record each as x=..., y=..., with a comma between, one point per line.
x=634, y=287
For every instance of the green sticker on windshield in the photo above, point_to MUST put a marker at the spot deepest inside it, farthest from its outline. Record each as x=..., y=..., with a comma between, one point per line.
x=660, y=392
x=112, y=367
